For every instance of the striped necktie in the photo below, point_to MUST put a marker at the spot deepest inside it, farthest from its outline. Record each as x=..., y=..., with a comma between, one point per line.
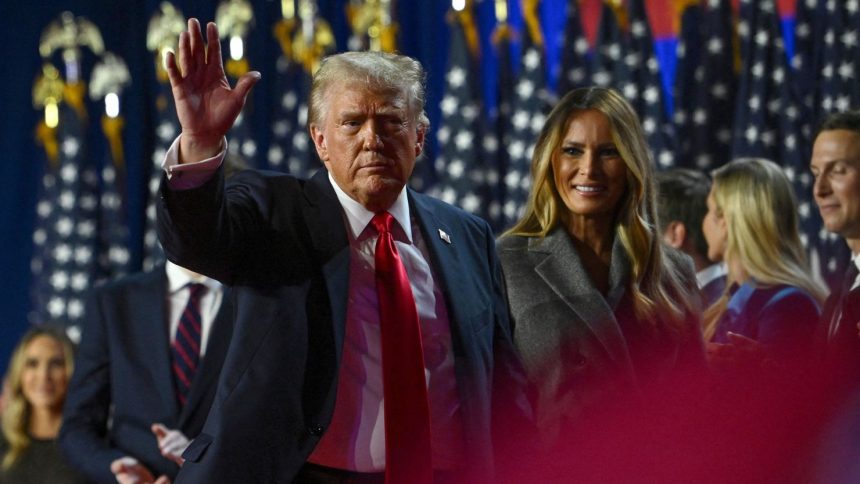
x=186, y=343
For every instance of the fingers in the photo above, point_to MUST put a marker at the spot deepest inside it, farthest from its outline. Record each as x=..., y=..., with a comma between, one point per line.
x=246, y=82
x=198, y=46
x=184, y=53
x=213, y=56
x=172, y=71
x=162, y=480
x=122, y=464
x=159, y=430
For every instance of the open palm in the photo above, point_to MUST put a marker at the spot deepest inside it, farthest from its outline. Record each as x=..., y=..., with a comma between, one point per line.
x=205, y=104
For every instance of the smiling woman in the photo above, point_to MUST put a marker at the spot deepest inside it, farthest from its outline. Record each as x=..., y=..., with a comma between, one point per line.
x=34, y=393
x=599, y=305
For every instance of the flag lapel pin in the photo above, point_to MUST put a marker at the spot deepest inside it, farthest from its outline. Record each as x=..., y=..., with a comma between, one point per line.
x=444, y=236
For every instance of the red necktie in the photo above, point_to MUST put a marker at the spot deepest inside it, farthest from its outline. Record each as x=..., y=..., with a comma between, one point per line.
x=408, y=456
x=186, y=343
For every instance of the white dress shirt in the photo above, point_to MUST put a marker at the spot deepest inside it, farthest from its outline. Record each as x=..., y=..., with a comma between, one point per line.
x=708, y=274
x=856, y=261
x=355, y=439
x=178, y=292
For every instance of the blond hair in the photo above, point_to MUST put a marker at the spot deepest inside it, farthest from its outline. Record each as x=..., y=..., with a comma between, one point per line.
x=657, y=283
x=757, y=202
x=16, y=417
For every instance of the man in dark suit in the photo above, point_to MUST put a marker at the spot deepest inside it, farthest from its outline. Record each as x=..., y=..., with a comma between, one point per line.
x=125, y=411
x=681, y=207
x=302, y=391
x=835, y=165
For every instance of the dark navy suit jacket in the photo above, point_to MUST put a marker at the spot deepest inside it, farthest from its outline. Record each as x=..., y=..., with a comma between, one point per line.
x=782, y=318
x=282, y=244
x=123, y=382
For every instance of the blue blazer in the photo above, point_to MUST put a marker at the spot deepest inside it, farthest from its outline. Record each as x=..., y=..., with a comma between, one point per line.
x=123, y=376
x=281, y=243
x=782, y=318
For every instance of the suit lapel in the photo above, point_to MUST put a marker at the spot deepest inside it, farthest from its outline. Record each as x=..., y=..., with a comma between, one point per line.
x=150, y=319
x=445, y=261
x=210, y=366
x=560, y=267
x=325, y=222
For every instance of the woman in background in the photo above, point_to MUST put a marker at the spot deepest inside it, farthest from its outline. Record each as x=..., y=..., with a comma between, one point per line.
x=772, y=303
x=599, y=305
x=38, y=375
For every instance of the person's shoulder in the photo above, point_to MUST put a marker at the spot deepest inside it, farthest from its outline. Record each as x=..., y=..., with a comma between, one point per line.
x=512, y=243
x=784, y=293
x=449, y=213
x=120, y=288
x=131, y=281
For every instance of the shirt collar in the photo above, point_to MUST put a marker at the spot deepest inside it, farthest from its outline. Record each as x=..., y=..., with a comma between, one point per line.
x=708, y=274
x=359, y=217
x=179, y=277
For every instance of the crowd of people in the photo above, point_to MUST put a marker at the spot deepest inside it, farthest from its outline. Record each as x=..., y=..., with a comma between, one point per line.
x=632, y=326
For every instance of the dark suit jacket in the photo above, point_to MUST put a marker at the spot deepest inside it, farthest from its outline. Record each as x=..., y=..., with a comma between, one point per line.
x=581, y=348
x=782, y=318
x=841, y=353
x=123, y=382
x=282, y=244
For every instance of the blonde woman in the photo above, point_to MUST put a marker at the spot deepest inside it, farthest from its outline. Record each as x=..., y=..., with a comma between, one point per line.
x=772, y=303
x=598, y=303
x=38, y=376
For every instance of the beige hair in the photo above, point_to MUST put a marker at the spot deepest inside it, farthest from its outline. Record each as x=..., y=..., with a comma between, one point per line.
x=757, y=202
x=377, y=70
x=16, y=417
x=658, y=287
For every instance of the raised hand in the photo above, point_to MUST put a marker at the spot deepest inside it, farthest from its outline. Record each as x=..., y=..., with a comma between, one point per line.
x=205, y=104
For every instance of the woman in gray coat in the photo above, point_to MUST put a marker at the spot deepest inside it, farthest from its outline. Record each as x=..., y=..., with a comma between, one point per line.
x=600, y=306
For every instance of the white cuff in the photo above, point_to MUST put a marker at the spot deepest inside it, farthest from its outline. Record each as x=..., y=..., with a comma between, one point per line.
x=189, y=175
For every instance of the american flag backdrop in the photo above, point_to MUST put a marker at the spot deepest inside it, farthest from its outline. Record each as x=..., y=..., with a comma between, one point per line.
x=65, y=238
x=641, y=85
x=114, y=258
x=497, y=135
x=731, y=96
x=705, y=85
x=575, y=54
x=290, y=149
x=459, y=173
x=529, y=106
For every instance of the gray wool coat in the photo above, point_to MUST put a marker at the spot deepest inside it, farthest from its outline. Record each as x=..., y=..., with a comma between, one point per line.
x=578, y=346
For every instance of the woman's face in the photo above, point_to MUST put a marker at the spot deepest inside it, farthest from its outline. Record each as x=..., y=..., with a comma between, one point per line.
x=589, y=172
x=714, y=228
x=43, y=378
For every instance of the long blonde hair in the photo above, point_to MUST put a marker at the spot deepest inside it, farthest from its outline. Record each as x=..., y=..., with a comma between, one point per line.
x=657, y=284
x=757, y=202
x=16, y=417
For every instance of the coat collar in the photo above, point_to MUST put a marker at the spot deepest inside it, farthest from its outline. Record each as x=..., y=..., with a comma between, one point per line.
x=562, y=270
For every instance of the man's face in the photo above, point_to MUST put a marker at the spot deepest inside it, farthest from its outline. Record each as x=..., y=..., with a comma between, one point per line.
x=368, y=141
x=836, y=168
